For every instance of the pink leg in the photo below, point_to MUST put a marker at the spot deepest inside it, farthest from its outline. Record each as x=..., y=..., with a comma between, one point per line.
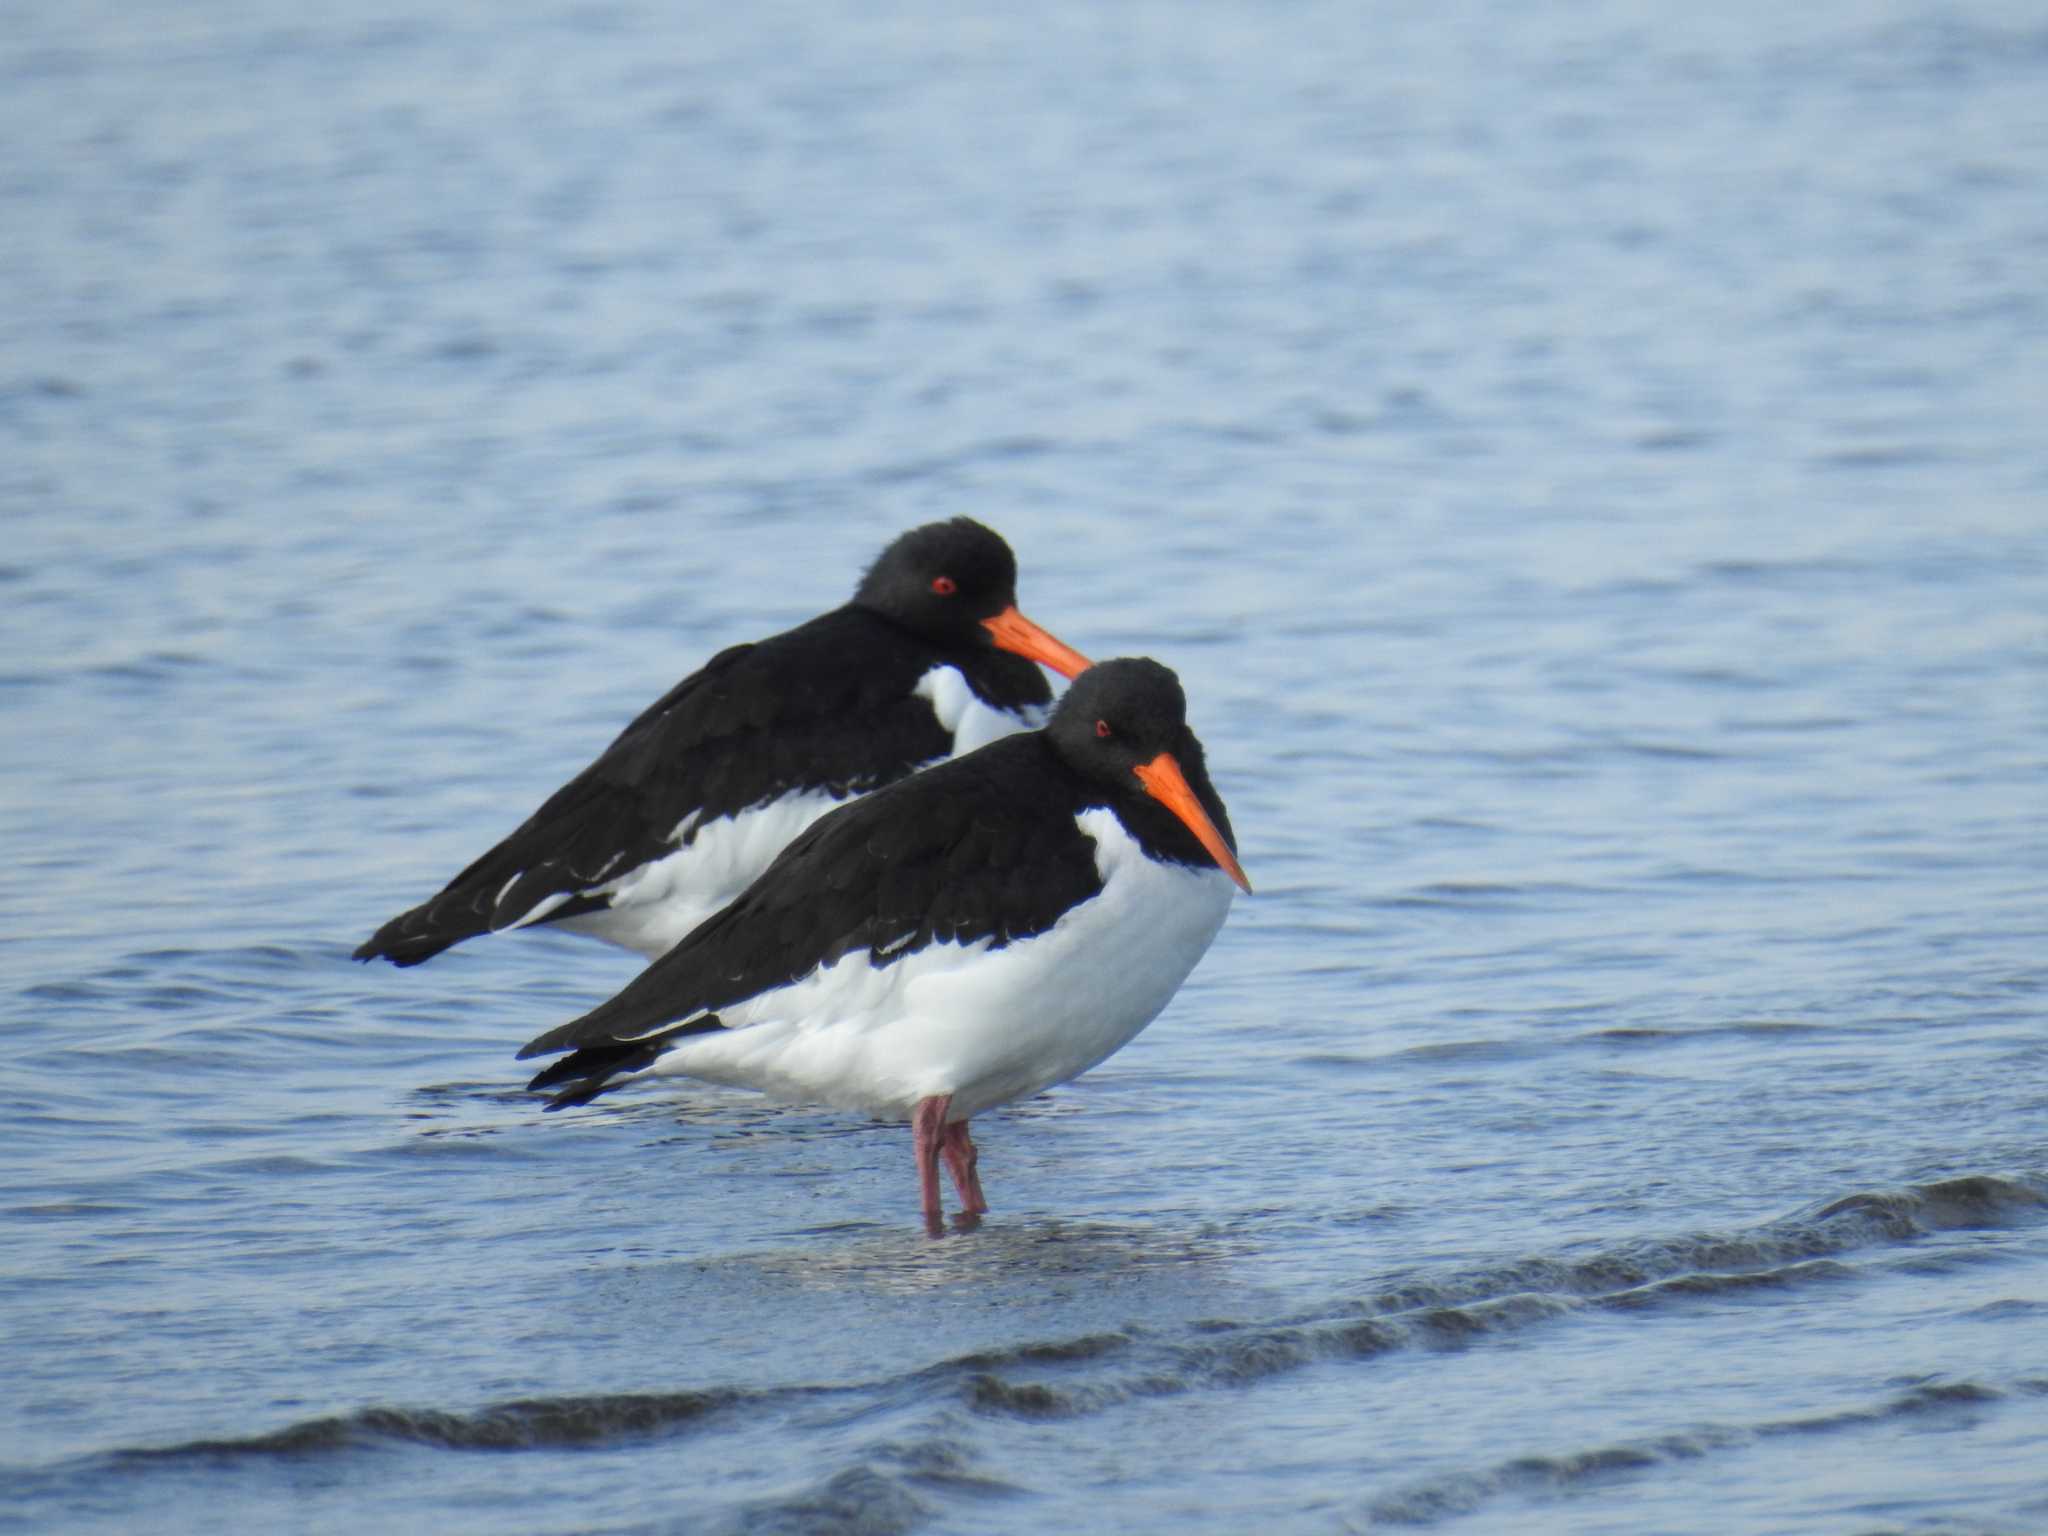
x=961, y=1159
x=928, y=1133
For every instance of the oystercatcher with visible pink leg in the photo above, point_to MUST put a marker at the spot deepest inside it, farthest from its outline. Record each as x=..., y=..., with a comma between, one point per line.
x=693, y=800
x=955, y=941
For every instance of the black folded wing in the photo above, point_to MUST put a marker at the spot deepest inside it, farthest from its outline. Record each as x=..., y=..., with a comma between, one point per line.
x=983, y=848
x=827, y=706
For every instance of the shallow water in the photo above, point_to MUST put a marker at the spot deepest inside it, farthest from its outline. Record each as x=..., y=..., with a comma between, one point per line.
x=1587, y=469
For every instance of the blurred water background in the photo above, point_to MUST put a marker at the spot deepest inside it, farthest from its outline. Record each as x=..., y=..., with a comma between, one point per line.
x=1588, y=465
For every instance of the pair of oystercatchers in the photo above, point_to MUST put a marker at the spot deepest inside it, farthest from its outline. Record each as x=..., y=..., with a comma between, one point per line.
x=872, y=871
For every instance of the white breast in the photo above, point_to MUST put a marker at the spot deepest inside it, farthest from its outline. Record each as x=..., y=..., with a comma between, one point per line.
x=655, y=905
x=985, y=1025
x=972, y=723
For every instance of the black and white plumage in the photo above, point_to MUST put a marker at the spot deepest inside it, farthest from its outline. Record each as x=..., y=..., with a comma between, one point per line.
x=958, y=940
x=694, y=799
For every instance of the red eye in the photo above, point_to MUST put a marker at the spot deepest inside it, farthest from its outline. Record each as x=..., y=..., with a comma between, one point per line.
x=945, y=586
x=1102, y=728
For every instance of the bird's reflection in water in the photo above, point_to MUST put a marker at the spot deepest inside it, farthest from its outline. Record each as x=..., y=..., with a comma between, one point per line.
x=995, y=1255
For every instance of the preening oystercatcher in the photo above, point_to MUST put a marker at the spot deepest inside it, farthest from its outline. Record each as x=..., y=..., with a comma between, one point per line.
x=960, y=939
x=696, y=796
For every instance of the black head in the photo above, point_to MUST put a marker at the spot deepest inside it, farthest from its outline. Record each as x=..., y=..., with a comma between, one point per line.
x=956, y=583
x=1124, y=724
x=1121, y=713
x=943, y=578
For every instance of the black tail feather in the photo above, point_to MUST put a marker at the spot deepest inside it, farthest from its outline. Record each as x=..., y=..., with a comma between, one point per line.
x=596, y=1069
x=594, y=1078
x=422, y=933
x=406, y=949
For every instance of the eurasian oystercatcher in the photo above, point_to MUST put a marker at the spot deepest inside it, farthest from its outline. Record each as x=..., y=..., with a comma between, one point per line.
x=961, y=939
x=697, y=795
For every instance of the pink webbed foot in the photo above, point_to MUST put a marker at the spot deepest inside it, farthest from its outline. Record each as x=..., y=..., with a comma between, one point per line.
x=961, y=1160
x=933, y=1138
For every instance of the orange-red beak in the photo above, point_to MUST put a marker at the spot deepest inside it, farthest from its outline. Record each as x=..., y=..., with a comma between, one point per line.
x=1165, y=783
x=1014, y=632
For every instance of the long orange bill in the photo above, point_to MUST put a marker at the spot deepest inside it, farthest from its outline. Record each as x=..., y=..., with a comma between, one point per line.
x=1165, y=783
x=1014, y=632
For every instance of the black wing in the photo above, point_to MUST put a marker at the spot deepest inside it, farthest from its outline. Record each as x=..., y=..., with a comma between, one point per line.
x=984, y=847
x=827, y=705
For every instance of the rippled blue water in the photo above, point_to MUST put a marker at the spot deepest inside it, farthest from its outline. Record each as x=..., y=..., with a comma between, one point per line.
x=1588, y=467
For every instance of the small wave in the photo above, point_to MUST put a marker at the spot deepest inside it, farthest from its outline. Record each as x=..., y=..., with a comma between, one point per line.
x=68, y=992
x=527, y=1424
x=1676, y=751
x=2007, y=1310
x=1484, y=895
x=1975, y=1200
x=1896, y=455
x=1092, y=1346
x=1090, y=1373
x=155, y=667
x=1828, y=1229
x=1460, y=1494
x=860, y=1501
x=1788, y=572
x=1021, y=1400
x=1462, y=1050
x=1238, y=1355
x=1707, y=1283
x=1052, y=1380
